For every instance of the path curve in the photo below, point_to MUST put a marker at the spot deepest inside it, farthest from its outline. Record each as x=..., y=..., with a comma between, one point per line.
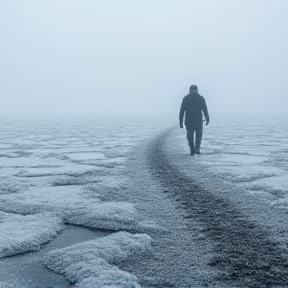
x=243, y=252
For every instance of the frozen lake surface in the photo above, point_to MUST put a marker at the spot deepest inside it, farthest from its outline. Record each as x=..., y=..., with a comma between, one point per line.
x=58, y=178
x=53, y=175
x=251, y=154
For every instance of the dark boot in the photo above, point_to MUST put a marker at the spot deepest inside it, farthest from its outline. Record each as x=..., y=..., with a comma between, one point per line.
x=192, y=152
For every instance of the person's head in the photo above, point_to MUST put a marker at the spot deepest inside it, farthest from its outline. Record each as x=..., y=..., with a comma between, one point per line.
x=193, y=89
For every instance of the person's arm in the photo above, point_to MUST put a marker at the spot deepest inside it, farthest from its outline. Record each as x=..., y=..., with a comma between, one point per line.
x=182, y=111
x=205, y=111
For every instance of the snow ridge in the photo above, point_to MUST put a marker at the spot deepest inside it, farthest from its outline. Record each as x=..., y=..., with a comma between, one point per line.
x=42, y=228
x=97, y=259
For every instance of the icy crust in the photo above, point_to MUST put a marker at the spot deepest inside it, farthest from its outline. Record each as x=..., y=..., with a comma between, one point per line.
x=71, y=204
x=26, y=233
x=71, y=172
x=31, y=162
x=6, y=285
x=92, y=282
x=96, y=259
x=243, y=165
x=251, y=155
x=39, y=199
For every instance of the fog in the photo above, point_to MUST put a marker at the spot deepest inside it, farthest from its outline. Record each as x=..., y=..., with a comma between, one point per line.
x=111, y=58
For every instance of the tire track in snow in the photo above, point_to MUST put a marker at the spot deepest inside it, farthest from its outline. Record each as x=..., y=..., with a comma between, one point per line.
x=243, y=251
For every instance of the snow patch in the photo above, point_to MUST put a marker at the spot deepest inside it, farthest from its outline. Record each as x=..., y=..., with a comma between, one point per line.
x=30, y=162
x=67, y=169
x=6, y=285
x=26, y=233
x=97, y=259
x=70, y=203
x=92, y=282
x=86, y=156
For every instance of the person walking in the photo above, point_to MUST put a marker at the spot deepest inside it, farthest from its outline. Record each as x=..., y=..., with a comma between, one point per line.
x=194, y=106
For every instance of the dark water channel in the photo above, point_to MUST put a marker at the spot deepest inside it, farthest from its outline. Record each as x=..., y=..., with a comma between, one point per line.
x=26, y=271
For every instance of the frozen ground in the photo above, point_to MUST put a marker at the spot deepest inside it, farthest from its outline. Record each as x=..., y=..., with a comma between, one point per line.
x=251, y=155
x=238, y=190
x=113, y=177
x=230, y=234
x=54, y=175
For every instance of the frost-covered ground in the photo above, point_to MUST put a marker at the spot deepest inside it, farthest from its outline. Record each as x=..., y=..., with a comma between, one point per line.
x=54, y=176
x=251, y=155
x=245, y=161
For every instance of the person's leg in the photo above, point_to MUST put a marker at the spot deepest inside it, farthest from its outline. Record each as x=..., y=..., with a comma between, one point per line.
x=199, y=131
x=190, y=138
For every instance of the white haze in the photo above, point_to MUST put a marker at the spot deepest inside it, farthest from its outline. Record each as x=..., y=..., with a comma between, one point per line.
x=110, y=58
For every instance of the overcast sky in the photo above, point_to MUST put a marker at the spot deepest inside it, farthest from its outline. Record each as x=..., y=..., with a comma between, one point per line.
x=139, y=57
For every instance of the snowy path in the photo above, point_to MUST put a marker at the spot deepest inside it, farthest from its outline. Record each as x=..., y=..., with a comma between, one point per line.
x=213, y=240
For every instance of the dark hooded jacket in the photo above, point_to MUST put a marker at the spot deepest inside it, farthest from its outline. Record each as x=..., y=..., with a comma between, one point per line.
x=193, y=106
